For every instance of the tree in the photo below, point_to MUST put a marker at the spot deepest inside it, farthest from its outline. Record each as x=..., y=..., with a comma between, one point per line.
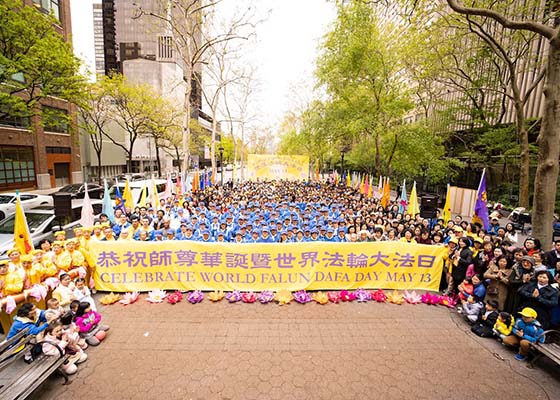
x=95, y=115
x=35, y=62
x=135, y=107
x=187, y=21
x=546, y=179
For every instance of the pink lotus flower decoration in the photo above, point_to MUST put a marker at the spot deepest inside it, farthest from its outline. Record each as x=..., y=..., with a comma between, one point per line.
x=345, y=295
x=334, y=297
x=10, y=304
x=81, y=272
x=362, y=295
x=412, y=297
x=38, y=292
x=448, y=301
x=302, y=297
x=129, y=298
x=249, y=297
x=196, y=296
x=379, y=296
x=156, y=296
x=430, y=299
x=174, y=297
x=266, y=296
x=52, y=282
x=233, y=297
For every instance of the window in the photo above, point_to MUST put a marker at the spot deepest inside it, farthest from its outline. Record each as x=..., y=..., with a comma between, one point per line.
x=16, y=165
x=165, y=48
x=55, y=119
x=48, y=6
x=58, y=150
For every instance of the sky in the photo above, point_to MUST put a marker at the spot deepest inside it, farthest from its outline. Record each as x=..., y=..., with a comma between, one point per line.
x=284, y=51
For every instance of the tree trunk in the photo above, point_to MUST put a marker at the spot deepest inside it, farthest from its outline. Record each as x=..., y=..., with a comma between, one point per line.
x=525, y=158
x=158, y=159
x=546, y=178
x=98, y=153
x=187, y=77
x=178, y=158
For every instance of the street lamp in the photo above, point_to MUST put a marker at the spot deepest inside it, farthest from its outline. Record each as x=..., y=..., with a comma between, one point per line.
x=221, y=150
x=342, y=161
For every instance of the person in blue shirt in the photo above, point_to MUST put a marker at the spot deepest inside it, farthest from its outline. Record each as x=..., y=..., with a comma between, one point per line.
x=28, y=317
x=329, y=237
x=526, y=330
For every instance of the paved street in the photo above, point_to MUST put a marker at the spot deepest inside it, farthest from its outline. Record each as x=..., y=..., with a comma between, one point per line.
x=344, y=351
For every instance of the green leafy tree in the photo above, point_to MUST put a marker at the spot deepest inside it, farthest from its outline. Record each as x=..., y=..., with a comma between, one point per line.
x=35, y=62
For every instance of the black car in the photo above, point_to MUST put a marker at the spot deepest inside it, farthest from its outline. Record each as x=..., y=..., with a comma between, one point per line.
x=77, y=190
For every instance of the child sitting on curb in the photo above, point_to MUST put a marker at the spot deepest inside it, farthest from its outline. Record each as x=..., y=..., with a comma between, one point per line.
x=526, y=330
x=471, y=308
x=486, y=320
x=503, y=326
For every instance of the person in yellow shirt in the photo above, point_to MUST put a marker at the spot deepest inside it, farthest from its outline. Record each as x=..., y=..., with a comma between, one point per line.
x=15, y=261
x=78, y=259
x=97, y=232
x=408, y=237
x=10, y=282
x=86, y=238
x=60, y=236
x=44, y=263
x=61, y=258
x=32, y=273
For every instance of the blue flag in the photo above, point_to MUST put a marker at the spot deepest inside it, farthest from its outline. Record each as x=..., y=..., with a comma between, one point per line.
x=403, y=200
x=107, y=205
x=481, y=206
x=119, y=202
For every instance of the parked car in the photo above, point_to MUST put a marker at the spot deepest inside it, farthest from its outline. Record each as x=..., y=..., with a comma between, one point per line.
x=229, y=167
x=43, y=223
x=28, y=201
x=78, y=190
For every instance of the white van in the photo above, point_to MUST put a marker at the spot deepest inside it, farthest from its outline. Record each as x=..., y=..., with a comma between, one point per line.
x=136, y=189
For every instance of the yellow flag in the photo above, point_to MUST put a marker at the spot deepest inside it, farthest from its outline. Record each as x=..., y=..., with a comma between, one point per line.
x=348, y=181
x=143, y=198
x=155, y=197
x=446, y=214
x=413, y=206
x=22, y=237
x=386, y=198
x=127, y=196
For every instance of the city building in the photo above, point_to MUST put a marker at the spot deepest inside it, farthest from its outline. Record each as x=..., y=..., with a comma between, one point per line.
x=37, y=156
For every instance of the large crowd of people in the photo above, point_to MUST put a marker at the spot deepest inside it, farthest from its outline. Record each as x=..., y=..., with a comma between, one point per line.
x=486, y=269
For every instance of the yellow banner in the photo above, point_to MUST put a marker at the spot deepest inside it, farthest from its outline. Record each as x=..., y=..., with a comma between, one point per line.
x=188, y=265
x=266, y=166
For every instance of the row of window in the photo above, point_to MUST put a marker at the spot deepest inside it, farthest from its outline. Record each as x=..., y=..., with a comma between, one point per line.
x=48, y=6
x=17, y=165
x=56, y=121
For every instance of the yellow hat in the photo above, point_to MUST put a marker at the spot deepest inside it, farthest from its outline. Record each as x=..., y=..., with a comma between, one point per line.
x=58, y=243
x=37, y=252
x=57, y=233
x=4, y=262
x=478, y=240
x=73, y=241
x=528, y=312
x=79, y=228
x=12, y=251
x=26, y=258
x=97, y=226
x=458, y=229
x=453, y=240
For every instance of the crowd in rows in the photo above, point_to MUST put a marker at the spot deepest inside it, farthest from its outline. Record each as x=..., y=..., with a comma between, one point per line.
x=490, y=265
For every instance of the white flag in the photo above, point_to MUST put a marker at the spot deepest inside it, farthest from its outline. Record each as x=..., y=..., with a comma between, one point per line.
x=87, y=210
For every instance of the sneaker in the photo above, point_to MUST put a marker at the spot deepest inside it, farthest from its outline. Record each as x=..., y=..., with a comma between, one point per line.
x=93, y=341
x=520, y=357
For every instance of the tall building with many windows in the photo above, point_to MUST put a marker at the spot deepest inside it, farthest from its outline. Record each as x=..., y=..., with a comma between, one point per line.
x=35, y=155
